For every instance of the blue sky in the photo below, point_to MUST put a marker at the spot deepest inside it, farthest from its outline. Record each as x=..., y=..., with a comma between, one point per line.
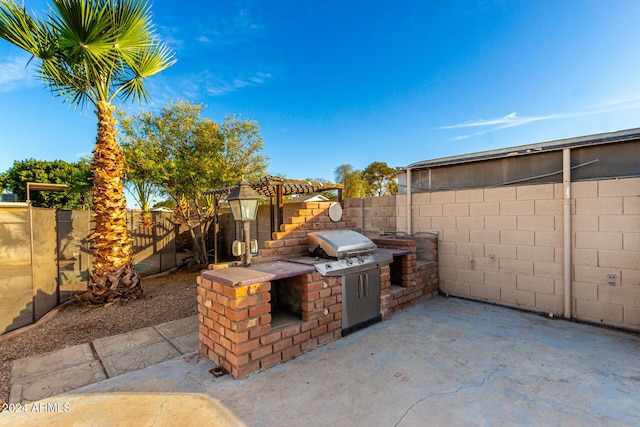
x=336, y=82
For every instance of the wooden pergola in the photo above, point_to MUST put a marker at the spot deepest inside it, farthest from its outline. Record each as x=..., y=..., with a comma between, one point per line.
x=275, y=188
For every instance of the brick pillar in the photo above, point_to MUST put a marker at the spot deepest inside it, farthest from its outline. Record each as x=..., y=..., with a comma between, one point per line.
x=385, y=291
x=233, y=318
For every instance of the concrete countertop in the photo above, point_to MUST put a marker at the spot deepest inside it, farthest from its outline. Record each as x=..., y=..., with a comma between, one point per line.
x=396, y=252
x=243, y=276
x=236, y=276
x=283, y=269
x=268, y=271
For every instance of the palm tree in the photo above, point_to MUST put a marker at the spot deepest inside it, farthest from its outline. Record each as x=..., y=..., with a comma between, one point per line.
x=96, y=51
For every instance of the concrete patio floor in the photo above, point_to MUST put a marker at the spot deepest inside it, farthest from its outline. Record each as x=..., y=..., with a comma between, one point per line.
x=46, y=375
x=443, y=362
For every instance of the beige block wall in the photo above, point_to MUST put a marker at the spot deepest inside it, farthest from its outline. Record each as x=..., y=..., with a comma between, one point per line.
x=606, y=257
x=505, y=245
x=375, y=214
x=499, y=239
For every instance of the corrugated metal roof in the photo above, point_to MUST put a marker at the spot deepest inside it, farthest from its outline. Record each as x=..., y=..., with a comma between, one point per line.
x=597, y=139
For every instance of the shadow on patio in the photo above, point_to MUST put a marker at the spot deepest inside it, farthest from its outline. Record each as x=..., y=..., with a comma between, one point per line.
x=443, y=362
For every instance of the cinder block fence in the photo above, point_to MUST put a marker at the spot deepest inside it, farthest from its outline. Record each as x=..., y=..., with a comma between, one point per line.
x=505, y=245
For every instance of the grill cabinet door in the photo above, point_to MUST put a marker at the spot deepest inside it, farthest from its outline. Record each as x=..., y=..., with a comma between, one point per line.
x=370, y=294
x=351, y=304
x=360, y=297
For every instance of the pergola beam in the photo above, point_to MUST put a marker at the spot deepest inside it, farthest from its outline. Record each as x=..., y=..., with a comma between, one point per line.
x=275, y=188
x=41, y=186
x=271, y=186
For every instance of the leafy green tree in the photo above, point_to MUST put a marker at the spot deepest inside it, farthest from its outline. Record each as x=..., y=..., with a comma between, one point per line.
x=80, y=182
x=166, y=203
x=76, y=175
x=381, y=179
x=354, y=184
x=185, y=154
x=330, y=194
x=139, y=167
x=94, y=51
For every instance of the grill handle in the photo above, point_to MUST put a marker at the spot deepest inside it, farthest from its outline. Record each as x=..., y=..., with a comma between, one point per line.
x=357, y=253
x=366, y=289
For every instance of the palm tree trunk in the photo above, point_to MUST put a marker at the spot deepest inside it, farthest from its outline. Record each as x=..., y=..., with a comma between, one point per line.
x=113, y=275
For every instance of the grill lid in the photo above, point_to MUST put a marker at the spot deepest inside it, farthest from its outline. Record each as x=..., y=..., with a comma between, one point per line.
x=339, y=243
x=356, y=264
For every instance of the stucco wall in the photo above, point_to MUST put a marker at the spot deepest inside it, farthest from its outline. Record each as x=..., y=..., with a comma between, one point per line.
x=505, y=245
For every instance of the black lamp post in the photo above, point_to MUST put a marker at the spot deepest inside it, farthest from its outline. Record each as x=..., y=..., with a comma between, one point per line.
x=243, y=201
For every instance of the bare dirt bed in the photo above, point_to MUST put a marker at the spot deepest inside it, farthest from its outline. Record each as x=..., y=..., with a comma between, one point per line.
x=164, y=299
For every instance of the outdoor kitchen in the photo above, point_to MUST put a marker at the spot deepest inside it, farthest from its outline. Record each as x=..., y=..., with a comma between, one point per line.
x=317, y=280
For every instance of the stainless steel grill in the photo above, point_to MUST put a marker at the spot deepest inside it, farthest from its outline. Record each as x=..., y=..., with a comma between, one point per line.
x=339, y=243
x=340, y=252
x=358, y=260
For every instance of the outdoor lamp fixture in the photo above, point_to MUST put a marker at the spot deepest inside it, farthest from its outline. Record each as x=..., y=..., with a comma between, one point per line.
x=243, y=201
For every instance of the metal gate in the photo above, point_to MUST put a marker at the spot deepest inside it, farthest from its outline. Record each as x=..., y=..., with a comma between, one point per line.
x=45, y=257
x=28, y=272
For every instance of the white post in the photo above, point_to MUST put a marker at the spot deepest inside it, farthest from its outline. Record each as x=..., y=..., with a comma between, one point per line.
x=566, y=183
x=408, y=202
x=247, y=243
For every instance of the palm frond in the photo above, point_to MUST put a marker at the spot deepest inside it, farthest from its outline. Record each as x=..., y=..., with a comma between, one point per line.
x=142, y=64
x=86, y=34
x=133, y=18
x=91, y=50
x=19, y=28
x=67, y=82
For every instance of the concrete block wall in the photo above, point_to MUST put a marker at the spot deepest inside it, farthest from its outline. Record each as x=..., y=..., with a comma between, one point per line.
x=499, y=245
x=606, y=251
x=373, y=214
x=504, y=245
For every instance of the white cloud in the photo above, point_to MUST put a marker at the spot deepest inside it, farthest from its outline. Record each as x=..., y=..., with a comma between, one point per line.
x=217, y=86
x=616, y=102
x=259, y=77
x=244, y=22
x=461, y=137
x=234, y=30
x=197, y=86
x=510, y=120
x=14, y=73
x=171, y=36
x=627, y=102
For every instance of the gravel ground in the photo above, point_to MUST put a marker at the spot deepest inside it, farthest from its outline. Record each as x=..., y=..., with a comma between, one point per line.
x=164, y=299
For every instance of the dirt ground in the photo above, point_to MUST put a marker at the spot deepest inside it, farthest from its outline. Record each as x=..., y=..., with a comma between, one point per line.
x=164, y=299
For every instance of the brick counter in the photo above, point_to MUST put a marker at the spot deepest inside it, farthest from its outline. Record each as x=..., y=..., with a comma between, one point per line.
x=417, y=278
x=237, y=305
x=234, y=306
